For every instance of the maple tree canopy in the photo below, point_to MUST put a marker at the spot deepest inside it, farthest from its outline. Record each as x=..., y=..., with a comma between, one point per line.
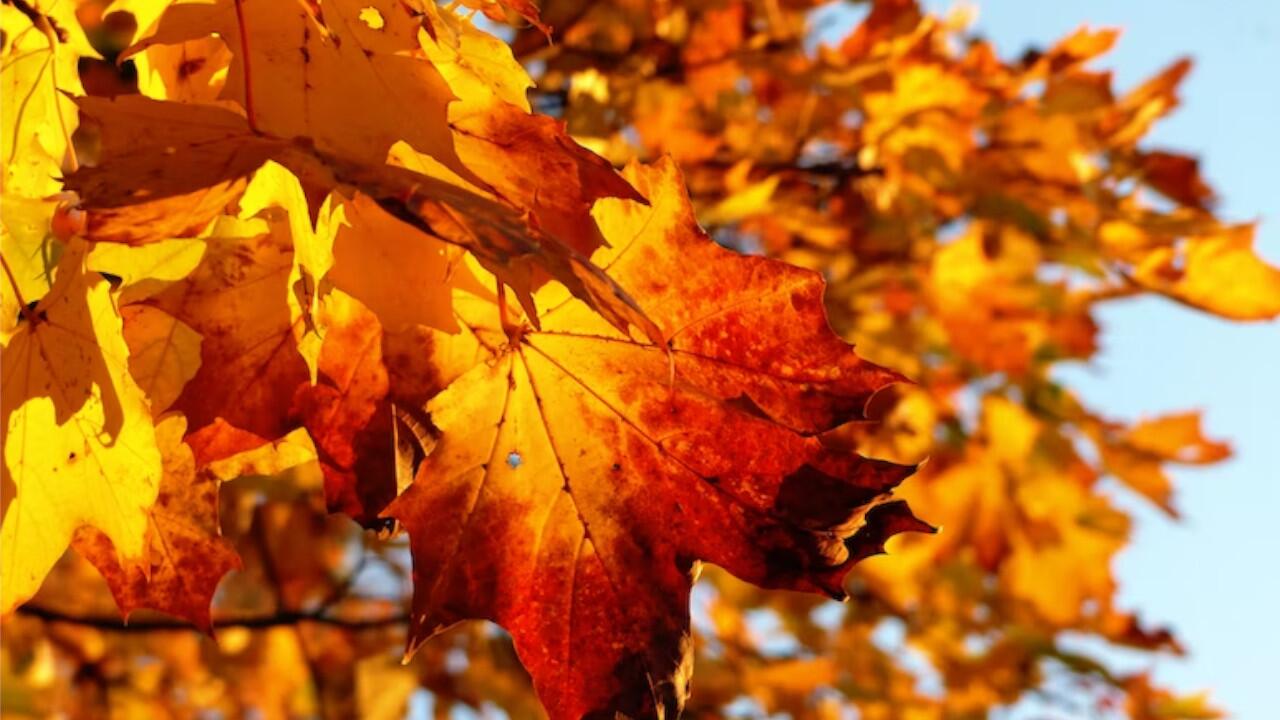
x=326, y=327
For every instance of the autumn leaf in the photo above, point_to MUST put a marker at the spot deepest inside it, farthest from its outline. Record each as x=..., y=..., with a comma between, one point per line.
x=1220, y=273
x=251, y=382
x=1177, y=176
x=523, y=157
x=499, y=139
x=80, y=449
x=136, y=193
x=1149, y=702
x=594, y=470
x=37, y=78
x=163, y=200
x=519, y=155
x=194, y=71
x=236, y=299
x=29, y=250
x=186, y=555
x=480, y=68
x=372, y=246
x=497, y=10
x=1137, y=454
x=349, y=416
x=164, y=353
x=1155, y=98
x=1177, y=438
x=143, y=271
x=275, y=192
x=298, y=71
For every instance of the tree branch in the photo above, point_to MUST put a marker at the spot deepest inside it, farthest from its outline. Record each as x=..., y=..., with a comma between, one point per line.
x=279, y=619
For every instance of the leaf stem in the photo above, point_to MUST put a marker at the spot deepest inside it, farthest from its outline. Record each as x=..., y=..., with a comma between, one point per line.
x=13, y=283
x=244, y=58
x=73, y=163
x=512, y=329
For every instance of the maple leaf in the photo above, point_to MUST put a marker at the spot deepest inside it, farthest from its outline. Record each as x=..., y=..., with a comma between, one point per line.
x=1176, y=438
x=162, y=199
x=526, y=159
x=993, y=308
x=497, y=10
x=1153, y=99
x=1148, y=702
x=348, y=415
x=1137, y=455
x=236, y=299
x=224, y=312
x=299, y=70
x=275, y=188
x=194, y=71
x=479, y=68
x=596, y=470
x=164, y=353
x=1220, y=273
x=531, y=161
x=373, y=246
x=1009, y=503
x=145, y=270
x=1176, y=176
x=504, y=147
x=186, y=555
x=136, y=193
x=80, y=448
x=29, y=251
x=37, y=76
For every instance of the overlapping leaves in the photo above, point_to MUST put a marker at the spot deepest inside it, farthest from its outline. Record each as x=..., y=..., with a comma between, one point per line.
x=229, y=266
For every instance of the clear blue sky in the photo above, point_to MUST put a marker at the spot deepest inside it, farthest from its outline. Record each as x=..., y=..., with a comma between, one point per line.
x=1215, y=577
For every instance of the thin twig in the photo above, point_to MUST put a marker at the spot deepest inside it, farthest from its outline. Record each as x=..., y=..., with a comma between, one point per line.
x=279, y=619
x=13, y=283
x=248, y=75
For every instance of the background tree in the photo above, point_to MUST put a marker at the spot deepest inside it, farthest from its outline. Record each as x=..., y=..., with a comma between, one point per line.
x=969, y=213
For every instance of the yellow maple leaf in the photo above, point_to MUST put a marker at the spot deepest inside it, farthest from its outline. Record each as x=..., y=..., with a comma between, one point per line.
x=275, y=187
x=164, y=353
x=1220, y=273
x=80, y=448
x=187, y=555
x=295, y=74
x=37, y=117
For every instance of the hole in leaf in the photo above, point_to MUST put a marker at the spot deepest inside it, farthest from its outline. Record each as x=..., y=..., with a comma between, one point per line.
x=514, y=459
x=371, y=17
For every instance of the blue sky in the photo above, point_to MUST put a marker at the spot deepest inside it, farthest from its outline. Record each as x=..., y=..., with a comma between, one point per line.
x=1215, y=577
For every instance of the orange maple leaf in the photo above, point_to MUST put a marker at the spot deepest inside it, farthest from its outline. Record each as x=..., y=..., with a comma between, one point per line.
x=594, y=470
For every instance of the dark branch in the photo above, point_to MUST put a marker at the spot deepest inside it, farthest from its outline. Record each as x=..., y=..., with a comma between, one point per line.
x=835, y=168
x=283, y=618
